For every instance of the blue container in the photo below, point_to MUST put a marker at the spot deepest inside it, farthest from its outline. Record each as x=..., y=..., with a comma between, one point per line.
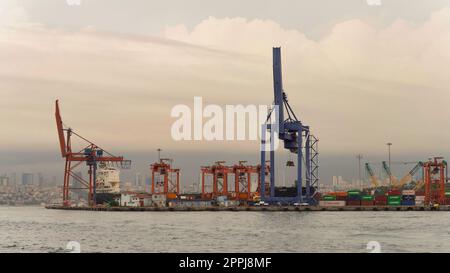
x=408, y=197
x=354, y=198
x=408, y=203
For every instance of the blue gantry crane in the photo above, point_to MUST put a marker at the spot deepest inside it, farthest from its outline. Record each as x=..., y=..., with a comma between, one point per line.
x=296, y=138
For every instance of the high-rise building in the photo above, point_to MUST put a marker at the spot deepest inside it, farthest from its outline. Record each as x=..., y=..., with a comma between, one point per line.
x=4, y=180
x=13, y=178
x=27, y=179
x=138, y=180
x=40, y=180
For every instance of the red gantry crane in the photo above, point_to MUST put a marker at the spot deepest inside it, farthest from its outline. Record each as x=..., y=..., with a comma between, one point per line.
x=91, y=154
x=165, y=179
x=435, y=174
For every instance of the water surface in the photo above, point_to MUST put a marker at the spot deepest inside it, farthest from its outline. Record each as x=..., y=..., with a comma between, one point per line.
x=36, y=229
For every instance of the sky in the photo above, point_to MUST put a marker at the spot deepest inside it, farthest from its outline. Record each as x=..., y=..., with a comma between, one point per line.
x=359, y=75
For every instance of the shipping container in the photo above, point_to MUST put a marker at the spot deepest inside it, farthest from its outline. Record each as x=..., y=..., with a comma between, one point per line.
x=367, y=203
x=354, y=198
x=408, y=203
x=420, y=198
x=332, y=203
x=408, y=197
x=353, y=202
x=381, y=198
x=338, y=193
x=353, y=192
x=394, y=192
x=329, y=198
x=171, y=196
x=367, y=198
x=419, y=202
x=380, y=202
x=243, y=195
x=341, y=198
x=408, y=192
x=394, y=203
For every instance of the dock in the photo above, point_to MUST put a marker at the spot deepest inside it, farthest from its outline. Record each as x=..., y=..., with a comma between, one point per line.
x=257, y=208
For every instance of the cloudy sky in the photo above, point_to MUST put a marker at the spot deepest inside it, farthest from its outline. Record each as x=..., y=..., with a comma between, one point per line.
x=359, y=75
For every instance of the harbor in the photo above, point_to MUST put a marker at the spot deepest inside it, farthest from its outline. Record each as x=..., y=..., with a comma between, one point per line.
x=257, y=208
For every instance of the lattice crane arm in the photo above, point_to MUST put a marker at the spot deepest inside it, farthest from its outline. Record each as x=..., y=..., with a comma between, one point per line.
x=60, y=129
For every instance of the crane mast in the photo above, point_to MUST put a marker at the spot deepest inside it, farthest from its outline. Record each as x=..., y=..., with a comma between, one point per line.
x=296, y=138
x=91, y=154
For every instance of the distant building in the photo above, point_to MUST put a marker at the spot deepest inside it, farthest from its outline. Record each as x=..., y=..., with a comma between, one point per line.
x=4, y=181
x=137, y=180
x=27, y=179
x=13, y=178
x=41, y=180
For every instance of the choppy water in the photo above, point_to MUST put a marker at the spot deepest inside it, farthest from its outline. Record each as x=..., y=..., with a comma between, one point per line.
x=35, y=229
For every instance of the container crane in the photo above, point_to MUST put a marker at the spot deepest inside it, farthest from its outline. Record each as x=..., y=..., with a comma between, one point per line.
x=388, y=172
x=91, y=154
x=296, y=138
x=409, y=176
x=373, y=178
x=435, y=177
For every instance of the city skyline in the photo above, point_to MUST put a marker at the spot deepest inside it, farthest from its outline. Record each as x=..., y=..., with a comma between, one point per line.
x=378, y=68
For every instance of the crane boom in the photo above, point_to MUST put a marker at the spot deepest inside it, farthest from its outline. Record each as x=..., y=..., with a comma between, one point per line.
x=373, y=177
x=60, y=128
x=408, y=177
x=387, y=170
x=278, y=88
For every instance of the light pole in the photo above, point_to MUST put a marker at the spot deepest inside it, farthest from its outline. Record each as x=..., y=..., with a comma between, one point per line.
x=359, y=157
x=389, y=152
x=159, y=154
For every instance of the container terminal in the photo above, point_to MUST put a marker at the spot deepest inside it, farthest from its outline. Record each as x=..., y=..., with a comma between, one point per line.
x=242, y=186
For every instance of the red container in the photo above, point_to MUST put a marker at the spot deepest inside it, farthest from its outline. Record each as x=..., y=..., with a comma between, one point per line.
x=353, y=203
x=395, y=192
x=341, y=198
x=420, y=193
x=367, y=203
x=447, y=200
x=381, y=203
x=381, y=198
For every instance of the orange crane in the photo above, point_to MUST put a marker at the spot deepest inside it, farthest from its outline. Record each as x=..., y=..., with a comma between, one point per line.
x=165, y=179
x=409, y=176
x=91, y=154
x=388, y=172
x=373, y=178
x=435, y=177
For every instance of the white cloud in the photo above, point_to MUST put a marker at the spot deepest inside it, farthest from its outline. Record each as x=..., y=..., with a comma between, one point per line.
x=377, y=83
x=356, y=87
x=11, y=13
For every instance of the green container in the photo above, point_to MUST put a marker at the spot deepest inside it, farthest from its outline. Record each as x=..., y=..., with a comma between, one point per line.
x=354, y=192
x=367, y=198
x=394, y=203
x=394, y=198
x=447, y=193
x=329, y=198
